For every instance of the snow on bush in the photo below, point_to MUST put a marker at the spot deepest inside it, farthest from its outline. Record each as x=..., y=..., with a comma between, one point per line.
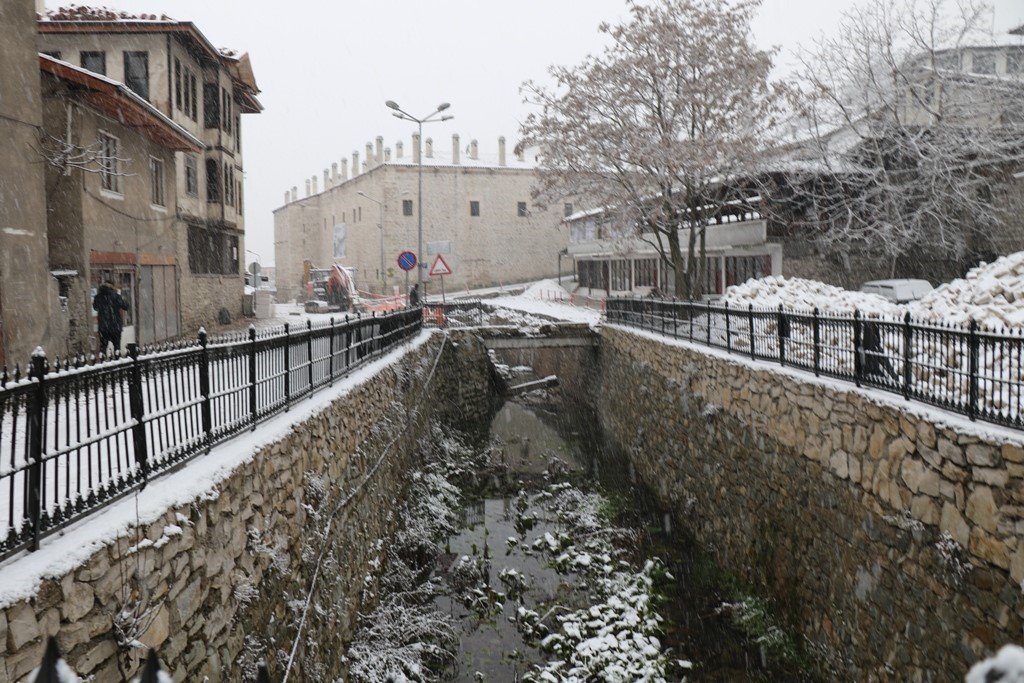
x=401, y=642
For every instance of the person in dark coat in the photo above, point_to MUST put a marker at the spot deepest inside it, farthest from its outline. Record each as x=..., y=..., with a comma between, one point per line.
x=109, y=307
x=414, y=295
x=874, y=361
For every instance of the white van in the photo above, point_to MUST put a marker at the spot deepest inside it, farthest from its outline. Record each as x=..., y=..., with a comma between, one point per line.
x=898, y=291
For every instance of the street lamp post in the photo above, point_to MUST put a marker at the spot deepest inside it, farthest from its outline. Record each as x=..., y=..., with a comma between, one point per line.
x=380, y=227
x=430, y=118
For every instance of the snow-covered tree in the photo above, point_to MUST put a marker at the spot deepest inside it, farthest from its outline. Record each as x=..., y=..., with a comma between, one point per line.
x=655, y=126
x=908, y=137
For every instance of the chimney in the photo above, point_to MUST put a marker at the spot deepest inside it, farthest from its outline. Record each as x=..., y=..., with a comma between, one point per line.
x=344, y=169
x=415, y=148
x=314, y=185
x=473, y=150
x=380, y=149
x=428, y=148
x=327, y=180
x=295, y=193
x=287, y=196
x=455, y=148
x=41, y=7
x=355, y=164
x=387, y=154
x=368, y=161
x=334, y=172
x=307, y=187
x=501, y=151
x=398, y=149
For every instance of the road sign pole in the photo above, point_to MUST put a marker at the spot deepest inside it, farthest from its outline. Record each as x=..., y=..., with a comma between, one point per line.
x=442, y=290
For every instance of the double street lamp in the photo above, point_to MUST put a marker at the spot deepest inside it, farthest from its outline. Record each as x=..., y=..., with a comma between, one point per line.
x=430, y=118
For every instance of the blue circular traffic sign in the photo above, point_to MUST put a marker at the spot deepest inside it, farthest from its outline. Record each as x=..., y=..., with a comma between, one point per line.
x=407, y=261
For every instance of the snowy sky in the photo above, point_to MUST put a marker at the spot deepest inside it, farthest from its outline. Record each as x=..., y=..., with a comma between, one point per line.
x=327, y=66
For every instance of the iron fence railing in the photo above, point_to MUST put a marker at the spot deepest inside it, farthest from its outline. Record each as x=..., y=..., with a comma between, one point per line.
x=76, y=435
x=967, y=370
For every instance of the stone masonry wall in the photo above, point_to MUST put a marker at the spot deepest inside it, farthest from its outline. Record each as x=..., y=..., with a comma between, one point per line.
x=891, y=540
x=219, y=584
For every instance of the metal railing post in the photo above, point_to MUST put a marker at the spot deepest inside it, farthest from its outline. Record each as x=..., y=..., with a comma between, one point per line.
x=135, y=406
x=348, y=341
x=908, y=339
x=37, y=407
x=689, y=308
x=287, y=367
x=857, y=363
x=782, y=325
x=750, y=326
x=815, y=326
x=707, y=312
x=331, y=364
x=204, y=388
x=675, y=318
x=728, y=332
x=253, y=407
x=309, y=352
x=973, y=342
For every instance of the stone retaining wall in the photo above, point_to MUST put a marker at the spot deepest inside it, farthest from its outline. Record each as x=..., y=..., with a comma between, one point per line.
x=218, y=584
x=891, y=539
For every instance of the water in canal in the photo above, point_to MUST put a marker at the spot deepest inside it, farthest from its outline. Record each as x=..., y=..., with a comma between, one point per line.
x=551, y=563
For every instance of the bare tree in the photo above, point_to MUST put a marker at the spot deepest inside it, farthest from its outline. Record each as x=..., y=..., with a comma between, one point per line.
x=657, y=124
x=906, y=142
x=65, y=155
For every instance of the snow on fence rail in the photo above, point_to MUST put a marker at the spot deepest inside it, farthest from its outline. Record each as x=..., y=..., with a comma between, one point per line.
x=974, y=372
x=75, y=436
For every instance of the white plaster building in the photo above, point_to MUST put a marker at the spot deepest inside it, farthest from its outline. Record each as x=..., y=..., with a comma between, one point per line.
x=361, y=213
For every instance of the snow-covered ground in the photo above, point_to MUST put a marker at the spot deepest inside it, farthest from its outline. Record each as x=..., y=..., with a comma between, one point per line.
x=548, y=298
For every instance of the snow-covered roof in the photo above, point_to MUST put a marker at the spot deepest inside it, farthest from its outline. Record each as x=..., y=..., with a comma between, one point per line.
x=442, y=156
x=1019, y=31
x=62, y=69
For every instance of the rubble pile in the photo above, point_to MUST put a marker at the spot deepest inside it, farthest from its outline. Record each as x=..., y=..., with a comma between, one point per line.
x=992, y=294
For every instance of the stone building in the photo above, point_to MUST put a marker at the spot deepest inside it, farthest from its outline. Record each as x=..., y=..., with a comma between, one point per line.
x=476, y=212
x=28, y=294
x=111, y=213
x=204, y=91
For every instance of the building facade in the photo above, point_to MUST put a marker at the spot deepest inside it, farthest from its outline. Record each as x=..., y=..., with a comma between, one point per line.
x=202, y=90
x=28, y=294
x=477, y=214
x=111, y=203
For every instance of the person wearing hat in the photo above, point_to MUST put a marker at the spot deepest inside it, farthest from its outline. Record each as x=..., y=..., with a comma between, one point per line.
x=109, y=306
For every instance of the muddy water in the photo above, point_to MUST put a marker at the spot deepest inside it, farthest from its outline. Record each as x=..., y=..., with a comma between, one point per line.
x=535, y=442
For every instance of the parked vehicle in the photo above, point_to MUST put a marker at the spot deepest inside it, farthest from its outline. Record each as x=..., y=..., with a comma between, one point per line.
x=897, y=291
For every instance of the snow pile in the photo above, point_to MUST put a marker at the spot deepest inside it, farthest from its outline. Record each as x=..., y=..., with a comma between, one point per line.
x=1007, y=667
x=991, y=293
x=796, y=294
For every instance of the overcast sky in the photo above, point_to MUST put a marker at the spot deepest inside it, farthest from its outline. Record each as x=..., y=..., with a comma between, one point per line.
x=326, y=67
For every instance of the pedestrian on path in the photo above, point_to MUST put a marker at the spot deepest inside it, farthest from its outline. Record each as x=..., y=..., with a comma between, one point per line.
x=109, y=306
x=414, y=295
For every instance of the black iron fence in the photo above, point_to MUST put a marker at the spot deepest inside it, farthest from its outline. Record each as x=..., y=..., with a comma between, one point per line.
x=455, y=313
x=76, y=435
x=968, y=370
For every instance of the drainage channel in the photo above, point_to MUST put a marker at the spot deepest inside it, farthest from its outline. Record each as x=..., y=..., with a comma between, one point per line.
x=528, y=552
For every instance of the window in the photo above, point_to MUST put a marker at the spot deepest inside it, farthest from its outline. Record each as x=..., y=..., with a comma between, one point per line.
x=212, y=181
x=474, y=208
x=193, y=95
x=229, y=184
x=156, y=182
x=212, y=252
x=406, y=207
x=521, y=209
x=110, y=178
x=567, y=209
x=191, y=176
x=95, y=62
x=238, y=198
x=238, y=131
x=177, y=84
x=136, y=72
x=211, y=105
x=644, y=272
x=984, y=63
x=1014, y=62
x=225, y=123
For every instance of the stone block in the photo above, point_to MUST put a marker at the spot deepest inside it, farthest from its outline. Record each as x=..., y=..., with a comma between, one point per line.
x=78, y=601
x=996, y=477
x=924, y=509
x=982, y=455
x=981, y=508
x=876, y=444
x=22, y=626
x=952, y=522
x=189, y=600
x=926, y=434
x=990, y=549
x=950, y=451
x=1012, y=453
x=94, y=656
x=22, y=662
x=840, y=464
x=158, y=629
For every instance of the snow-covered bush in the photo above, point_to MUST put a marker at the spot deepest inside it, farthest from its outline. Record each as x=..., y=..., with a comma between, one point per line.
x=400, y=641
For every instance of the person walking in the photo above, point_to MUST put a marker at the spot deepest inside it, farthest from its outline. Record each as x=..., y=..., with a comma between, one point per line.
x=874, y=361
x=109, y=306
x=414, y=295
